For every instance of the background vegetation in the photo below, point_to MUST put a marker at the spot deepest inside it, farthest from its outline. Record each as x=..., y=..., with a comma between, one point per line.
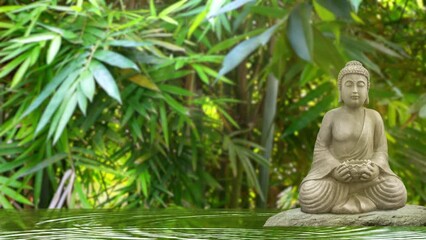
x=211, y=104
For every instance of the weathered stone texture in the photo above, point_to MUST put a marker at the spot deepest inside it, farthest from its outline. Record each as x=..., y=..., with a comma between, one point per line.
x=410, y=215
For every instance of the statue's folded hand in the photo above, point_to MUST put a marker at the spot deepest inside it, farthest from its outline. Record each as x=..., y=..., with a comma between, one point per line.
x=371, y=171
x=342, y=173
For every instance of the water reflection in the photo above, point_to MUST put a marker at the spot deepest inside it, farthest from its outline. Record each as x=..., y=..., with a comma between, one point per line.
x=175, y=224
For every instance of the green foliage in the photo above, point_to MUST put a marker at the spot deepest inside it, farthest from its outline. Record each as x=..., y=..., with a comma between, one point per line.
x=133, y=143
x=161, y=103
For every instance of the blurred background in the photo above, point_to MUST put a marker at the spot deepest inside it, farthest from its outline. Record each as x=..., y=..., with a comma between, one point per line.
x=195, y=104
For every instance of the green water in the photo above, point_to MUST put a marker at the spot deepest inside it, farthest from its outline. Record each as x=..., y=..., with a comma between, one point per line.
x=176, y=224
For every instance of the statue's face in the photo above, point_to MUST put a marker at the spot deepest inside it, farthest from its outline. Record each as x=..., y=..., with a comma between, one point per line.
x=354, y=90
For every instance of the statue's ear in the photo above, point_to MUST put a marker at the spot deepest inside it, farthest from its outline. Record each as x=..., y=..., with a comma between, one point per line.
x=340, y=97
x=367, y=101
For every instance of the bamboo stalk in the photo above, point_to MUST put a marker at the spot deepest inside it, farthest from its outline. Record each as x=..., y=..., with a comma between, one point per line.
x=267, y=139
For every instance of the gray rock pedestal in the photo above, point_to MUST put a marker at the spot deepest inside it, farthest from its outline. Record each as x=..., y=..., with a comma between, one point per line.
x=410, y=215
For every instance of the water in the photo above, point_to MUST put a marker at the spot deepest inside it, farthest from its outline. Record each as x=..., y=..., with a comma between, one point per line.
x=176, y=224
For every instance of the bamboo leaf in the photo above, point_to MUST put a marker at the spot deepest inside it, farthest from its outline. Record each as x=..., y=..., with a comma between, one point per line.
x=271, y=12
x=5, y=203
x=13, y=64
x=230, y=146
x=20, y=73
x=15, y=195
x=203, y=76
x=70, y=10
x=97, y=166
x=164, y=124
x=167, y=45
x=11, y=165
x=228, y=7
x=216, y=75
x=56, y=81
x=35, y=54
x=13, y=183
x=355, y=4
x=197, y=21
x=228, y=117
x=46, y=162
x=242, y=50
x=269, y=113
x=258, y=158
x=82, y=101
x=299, y=31
x=56, y=101
x=152, y=8
x=175, y=90
x=19, y=50
x=323, y=12
x=83, y=199
x=382, y=48
x=144, y=81
x=172, y=8
x=136, y=129
x=398, y=48
x=35, y=38
x=64, y=33
x=9, y=149
x=9, y=8
x=128, y=43
x=115, y=59
x=250, y=172
x=169, y=20
x=87, y=84
x=54, y=47
x=6, y=25
x=66, y=116
x=166, y=74
x=144, y=179
x=233, y=40
x=55, y=120
x=341, y=9
x=104, y=78
x=360, y=56
x=175, y=105
x=211, y=181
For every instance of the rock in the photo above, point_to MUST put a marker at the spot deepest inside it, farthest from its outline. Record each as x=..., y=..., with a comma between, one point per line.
x=410, y=215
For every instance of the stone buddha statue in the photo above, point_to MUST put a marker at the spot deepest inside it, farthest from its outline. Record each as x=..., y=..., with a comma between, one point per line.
x=350, y=172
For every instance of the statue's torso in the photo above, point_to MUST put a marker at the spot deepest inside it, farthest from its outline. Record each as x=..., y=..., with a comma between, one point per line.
x=346, y=131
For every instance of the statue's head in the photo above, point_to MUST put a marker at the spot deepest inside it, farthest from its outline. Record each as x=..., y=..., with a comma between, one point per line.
x=354, y=83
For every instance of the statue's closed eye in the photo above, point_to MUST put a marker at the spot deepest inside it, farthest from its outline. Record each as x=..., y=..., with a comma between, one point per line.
x=358, y=84
x=349, y=84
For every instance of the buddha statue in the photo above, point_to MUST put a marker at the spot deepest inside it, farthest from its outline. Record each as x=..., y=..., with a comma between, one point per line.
x=350, y=172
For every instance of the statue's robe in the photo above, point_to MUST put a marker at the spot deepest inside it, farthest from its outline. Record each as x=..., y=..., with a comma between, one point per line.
x=321, y=193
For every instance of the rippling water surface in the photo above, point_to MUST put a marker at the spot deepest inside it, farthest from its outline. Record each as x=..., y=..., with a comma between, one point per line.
x=176, y=224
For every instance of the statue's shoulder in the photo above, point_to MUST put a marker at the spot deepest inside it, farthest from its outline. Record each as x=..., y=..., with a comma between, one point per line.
x=374, y=114
x=331, y=115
